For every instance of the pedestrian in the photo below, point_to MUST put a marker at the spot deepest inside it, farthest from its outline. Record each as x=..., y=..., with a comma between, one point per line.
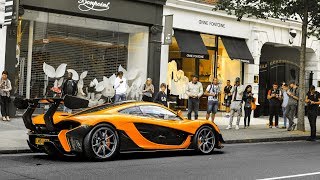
x=161, y=96
x=227, y=97
x=148, y=90
x=194, y=90
x=5, y=88
x=313, y=101
x=285, y=99
x=274, y=97
x=212, y=91
x=120, y=86
x=236, y=103
x=293, y=94
x=69, y=87
x=248, y=99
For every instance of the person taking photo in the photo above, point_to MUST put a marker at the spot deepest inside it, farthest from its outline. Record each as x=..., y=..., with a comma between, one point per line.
x=248, y=99
x=5, y=88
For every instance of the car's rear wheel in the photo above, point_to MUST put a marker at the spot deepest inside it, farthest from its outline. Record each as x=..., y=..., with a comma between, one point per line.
x=102, y=143
x=204, y=140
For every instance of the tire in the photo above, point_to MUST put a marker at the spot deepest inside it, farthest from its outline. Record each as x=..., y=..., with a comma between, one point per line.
x=204, y=140
x=97, y=147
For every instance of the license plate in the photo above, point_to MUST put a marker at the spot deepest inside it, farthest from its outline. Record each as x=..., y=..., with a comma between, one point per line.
x=41, y=141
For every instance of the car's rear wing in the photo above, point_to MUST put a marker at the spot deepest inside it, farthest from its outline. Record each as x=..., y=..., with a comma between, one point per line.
x=69, y=101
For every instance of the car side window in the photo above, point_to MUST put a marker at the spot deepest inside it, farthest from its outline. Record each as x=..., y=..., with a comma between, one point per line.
x=131, y=110
x=159, y=113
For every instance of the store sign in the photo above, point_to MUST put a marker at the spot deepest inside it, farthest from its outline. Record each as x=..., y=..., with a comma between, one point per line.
x=212, y=23
x=196, y=56
x=168, y=30
x=86, y=5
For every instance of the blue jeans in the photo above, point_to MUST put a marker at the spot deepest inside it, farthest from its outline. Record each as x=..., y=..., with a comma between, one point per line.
x=284, y=116
x=120, y=97
x=212, y=107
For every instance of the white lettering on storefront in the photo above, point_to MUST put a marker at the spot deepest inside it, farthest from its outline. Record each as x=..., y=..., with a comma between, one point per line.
x=212, y=23
x=195, y=56
x=86, y=5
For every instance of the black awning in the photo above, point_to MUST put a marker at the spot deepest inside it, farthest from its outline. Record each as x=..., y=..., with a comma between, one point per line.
x=191, y=44
x=237, y=49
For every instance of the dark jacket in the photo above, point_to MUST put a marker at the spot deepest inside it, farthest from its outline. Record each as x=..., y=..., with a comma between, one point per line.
x=69, y=87
x=247, y=99
x=161, y=98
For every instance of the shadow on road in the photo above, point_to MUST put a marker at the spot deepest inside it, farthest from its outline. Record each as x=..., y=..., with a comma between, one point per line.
x=130, y=155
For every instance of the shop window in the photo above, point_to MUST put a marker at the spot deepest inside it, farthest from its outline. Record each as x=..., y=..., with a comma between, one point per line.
x=96, y=46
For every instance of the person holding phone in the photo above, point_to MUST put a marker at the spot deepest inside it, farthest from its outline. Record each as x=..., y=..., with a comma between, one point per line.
x=274, y=97
x=248, y=99
x=120, y=86
x=5, y=88
x=313, y=102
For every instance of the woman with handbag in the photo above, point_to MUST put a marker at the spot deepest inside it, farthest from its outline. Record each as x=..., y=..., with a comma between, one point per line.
x=248, y=99
x=5, y=88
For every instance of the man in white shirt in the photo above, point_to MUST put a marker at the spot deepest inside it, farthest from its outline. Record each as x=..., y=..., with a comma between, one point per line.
x=194, y=91
x=212, y=91
x=120, y=86
x=236, y=103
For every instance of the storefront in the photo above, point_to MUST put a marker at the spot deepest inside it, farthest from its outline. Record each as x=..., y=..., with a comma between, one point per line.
x=203, y=48
x=93, y=36
x=212, y=43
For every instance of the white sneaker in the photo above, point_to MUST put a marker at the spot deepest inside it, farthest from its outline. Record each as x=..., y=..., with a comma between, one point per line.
x=237, y=127
x=229, y=127
x=8, y=119
x=4, y=118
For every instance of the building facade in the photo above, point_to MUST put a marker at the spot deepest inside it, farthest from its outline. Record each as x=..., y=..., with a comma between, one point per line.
x=274, y=53
x=93, y=36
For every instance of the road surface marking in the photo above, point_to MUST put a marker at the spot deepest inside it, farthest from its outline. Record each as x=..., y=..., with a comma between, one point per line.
x=292, y=176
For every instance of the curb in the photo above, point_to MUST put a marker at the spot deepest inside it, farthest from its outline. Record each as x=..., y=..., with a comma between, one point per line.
x=15, y=151
x=280, y=139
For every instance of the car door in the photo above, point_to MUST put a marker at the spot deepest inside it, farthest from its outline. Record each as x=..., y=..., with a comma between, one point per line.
x=162, y=126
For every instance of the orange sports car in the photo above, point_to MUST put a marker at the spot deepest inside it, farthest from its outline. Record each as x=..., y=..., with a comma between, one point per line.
x=101, y=132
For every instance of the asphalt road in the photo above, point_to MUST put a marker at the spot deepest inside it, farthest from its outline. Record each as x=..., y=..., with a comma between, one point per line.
x=237, y=161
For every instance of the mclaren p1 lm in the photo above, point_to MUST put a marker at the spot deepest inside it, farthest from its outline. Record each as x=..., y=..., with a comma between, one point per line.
x=101, y=132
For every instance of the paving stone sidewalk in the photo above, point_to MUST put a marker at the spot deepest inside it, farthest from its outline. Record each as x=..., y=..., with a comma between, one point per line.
x=13, y=134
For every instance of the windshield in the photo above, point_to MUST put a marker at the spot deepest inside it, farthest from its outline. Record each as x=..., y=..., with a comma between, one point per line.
x=101, y=107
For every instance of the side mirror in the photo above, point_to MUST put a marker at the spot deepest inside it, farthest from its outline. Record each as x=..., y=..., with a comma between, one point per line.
x=179, y=113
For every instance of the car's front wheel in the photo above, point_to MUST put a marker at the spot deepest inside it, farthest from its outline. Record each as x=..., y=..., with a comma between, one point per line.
x=102, y=143
x=204, y=140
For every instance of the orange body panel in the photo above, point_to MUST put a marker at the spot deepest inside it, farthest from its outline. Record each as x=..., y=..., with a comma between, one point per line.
x=63, y=140
x=126, y=122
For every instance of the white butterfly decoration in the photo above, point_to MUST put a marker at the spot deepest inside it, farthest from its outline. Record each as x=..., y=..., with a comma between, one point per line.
x=135, y=89
x=96, y=100
x=52, y=73
x=75, y=75
x=108, y=90
x=129, y=75
x=80, y=86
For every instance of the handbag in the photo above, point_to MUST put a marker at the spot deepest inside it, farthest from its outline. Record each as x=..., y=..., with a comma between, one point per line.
x=253, y=104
